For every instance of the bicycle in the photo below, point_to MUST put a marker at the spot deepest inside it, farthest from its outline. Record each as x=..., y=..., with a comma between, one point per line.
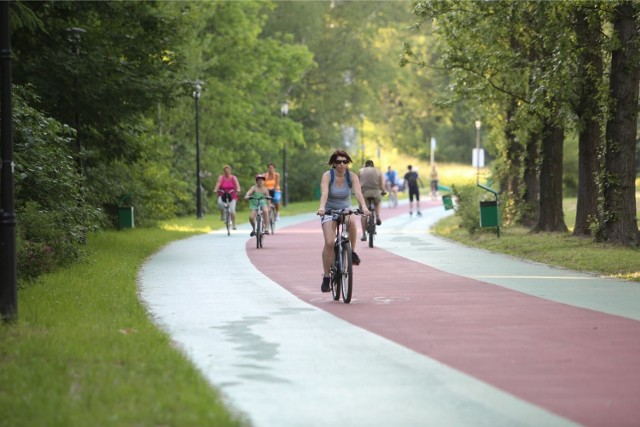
x=226, y=197
x=260, y=231
x=393, y=196
x=341, y=270
x=371, y=220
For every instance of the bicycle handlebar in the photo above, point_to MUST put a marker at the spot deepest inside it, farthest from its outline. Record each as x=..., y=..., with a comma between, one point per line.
x=259, y=198
x=345, y=212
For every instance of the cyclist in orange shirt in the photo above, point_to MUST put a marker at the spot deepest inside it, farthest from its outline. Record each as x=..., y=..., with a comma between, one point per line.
x=272, y=182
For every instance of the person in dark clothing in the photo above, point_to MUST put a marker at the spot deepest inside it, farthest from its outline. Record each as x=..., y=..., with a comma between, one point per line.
x=411, y=181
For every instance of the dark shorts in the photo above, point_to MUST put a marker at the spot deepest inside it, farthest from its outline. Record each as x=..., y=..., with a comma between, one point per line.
x=414, y=191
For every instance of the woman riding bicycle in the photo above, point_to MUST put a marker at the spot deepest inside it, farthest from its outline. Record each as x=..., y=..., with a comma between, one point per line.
x=227, y=182
x=272, y=182
x=258, y=201
x=336, y=186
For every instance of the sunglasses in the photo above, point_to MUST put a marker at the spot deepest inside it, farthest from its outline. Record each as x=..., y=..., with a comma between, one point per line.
x=341, y=162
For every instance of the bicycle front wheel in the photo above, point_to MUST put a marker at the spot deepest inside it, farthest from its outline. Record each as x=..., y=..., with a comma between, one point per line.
x=346, y=276
x=258, y=232
x=227, y=220
x=335, y=275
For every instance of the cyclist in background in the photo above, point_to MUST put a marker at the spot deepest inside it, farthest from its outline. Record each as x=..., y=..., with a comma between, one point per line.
x=391, y=182
x=272, y=182
x=260, y=192
x=372, y=186
x=336, y=186
x=227, y=182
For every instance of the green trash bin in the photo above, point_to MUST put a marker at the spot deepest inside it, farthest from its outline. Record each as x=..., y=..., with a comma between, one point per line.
x=447, y=201
x=125, y=217
x=489, y=213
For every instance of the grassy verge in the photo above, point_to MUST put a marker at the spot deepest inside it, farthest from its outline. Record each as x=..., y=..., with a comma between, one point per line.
x=561, y=250
x=84, y=352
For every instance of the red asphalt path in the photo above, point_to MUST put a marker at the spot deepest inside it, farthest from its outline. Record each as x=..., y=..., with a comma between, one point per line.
x=578, y=363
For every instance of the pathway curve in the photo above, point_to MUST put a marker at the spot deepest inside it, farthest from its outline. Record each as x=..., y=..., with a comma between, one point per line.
x=437, y=333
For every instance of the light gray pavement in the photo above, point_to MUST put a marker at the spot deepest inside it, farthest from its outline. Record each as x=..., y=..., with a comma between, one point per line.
x=283, y=362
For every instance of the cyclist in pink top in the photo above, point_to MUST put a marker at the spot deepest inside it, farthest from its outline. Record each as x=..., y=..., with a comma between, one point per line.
x=224, y=186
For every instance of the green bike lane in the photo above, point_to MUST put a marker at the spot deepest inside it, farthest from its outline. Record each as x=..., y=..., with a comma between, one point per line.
x=437, y=333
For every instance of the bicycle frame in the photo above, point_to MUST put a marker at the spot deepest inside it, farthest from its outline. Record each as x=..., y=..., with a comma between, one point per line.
x=260, y=219
x=371, y=220
x=341, y=268
x=227, y=211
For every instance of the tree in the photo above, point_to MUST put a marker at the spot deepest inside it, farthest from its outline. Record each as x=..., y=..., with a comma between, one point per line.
x=590, y=65
x=619, y=222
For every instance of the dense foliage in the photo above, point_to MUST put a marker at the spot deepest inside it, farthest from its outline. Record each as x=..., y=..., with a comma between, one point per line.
x=537, y=72
x=112, y=87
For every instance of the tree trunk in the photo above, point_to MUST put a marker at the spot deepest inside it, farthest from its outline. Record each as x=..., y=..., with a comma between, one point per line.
x=619, y=224
x=531, y=192
x=551, y=216
x=590, y=69
x=511, y=187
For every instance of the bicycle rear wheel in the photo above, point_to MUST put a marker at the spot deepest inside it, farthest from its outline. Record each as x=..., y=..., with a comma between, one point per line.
x=258, y=231
x=346, y=276
x=335, y=275
x=393, y=199
x=371, y=226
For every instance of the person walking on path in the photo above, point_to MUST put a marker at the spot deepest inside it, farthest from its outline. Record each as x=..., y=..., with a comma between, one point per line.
x=411, y=180
x=434, y=183
x=372, y=186
x=259, y=192
x=272, y=182
x=336, y=186
x=227, y=182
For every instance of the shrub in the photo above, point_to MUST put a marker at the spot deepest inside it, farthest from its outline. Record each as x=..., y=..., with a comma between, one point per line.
x=53, y=217
x=468, y=206
x=43, y=241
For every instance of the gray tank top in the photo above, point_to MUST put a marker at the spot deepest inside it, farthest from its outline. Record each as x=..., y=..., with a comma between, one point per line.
x=339, y=197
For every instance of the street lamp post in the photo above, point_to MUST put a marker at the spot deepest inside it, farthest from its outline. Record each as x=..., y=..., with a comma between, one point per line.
x=478, y=124
x=196, y=97
x=284, y=110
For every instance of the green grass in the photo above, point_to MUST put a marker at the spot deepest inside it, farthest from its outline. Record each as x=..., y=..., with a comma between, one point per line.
x=84, y=351
x=561, y=250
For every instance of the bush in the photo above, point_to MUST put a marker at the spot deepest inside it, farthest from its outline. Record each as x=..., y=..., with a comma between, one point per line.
x=33, y=259
x=53, y=217
x=468, y=206
x=43, y=242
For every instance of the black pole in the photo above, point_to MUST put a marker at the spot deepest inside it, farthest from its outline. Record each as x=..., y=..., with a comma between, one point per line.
x=285, y=189
x=284, y=110
x=8, y=269
x=196, y=96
